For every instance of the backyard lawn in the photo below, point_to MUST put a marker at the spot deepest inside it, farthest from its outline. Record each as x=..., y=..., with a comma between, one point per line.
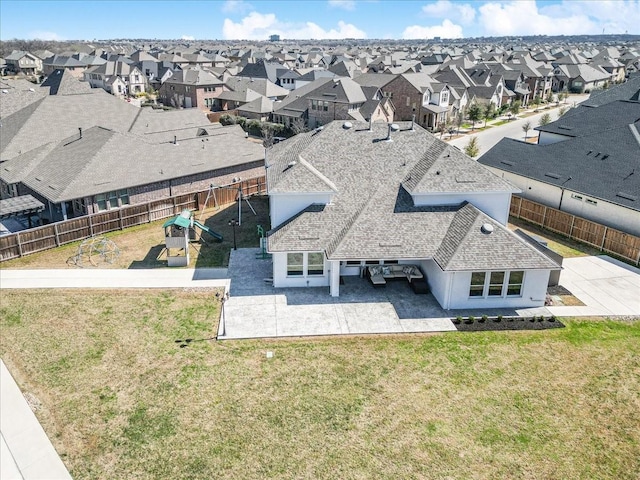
x=120, y=397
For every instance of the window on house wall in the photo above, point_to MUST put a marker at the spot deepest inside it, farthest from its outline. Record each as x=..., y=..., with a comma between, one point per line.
x=514, y=288
x=295, y=266
x=325, y=106
x=477, y=284
x=124, y=196
x=408, y=101
x=590, y=201
x=101, y=201
x=113, y=199
x=496, y=281
x=315, y=263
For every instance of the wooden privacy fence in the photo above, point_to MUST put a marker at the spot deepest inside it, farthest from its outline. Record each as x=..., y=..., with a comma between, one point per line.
x=606, y=239
x=37, y=239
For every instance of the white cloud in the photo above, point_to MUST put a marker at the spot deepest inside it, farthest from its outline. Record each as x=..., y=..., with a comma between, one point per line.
x=236, y=6
x=258, y=26
x=461, y=12
x=344, y=4
x=614, y=16
x=188, y=37
x=523, y=18
x=447, y=30
x=41, y=35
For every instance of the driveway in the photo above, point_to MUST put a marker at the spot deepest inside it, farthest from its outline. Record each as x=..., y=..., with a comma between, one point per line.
x=606, y=286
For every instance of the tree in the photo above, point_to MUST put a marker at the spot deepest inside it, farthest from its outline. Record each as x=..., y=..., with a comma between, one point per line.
x=515, y=107
x=536, y=101
x=442, y=126
x=562, y=111
x=525, y=128
x=267, y=135
x=488, y=112
x=545, y=119
x=474, y=113
x=473, y=147
x=563, y=96
x=459, y=121
x=550, y=97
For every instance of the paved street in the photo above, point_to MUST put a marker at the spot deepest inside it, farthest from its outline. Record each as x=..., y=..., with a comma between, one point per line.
x=513, y=129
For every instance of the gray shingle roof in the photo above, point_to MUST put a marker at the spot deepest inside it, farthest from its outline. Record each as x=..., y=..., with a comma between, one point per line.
x=372, y=215
x=626, y=91
x=104, y=160
x=500, y=249
x=604, y=165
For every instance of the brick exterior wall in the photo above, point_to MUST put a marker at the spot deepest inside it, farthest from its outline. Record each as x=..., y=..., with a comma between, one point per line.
x=335, y=111
x=174, y=95
x=400, y=89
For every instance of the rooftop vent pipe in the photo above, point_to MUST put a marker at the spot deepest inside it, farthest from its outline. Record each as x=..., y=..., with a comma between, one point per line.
x=392, y=127
x=80, y=130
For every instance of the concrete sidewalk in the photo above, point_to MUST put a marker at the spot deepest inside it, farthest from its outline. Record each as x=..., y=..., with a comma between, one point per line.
x=25, y=450
x=115, y=278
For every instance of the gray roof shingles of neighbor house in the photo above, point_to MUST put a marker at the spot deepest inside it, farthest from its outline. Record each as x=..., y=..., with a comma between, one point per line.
x=372, y=214
x=604, y=164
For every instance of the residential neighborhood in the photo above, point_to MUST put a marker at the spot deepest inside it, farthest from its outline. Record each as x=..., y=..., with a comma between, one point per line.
x=291, y=252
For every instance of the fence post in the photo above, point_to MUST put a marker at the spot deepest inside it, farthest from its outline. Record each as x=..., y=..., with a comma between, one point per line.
x=90, y=224
x=175, y=205
x=19, y=244
x=604, y=237
x=148, y=212
x=573, y=221
x=519, y=206
x=55, y=230
x=120, y=218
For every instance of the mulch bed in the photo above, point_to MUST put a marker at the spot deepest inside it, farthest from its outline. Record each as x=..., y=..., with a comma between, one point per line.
x=507, y=323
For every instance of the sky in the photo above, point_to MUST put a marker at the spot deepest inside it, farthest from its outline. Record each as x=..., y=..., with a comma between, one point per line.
x=312, y=19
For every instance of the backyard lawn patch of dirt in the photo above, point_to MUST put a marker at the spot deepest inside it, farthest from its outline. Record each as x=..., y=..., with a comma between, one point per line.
x=561, y=297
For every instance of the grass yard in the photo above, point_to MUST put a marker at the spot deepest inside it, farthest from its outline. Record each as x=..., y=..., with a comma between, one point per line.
x=143, y=246
x=564, y=246
x=120, y=398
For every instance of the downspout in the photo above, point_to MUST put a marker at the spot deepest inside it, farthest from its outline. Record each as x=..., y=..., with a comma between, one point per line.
x=562, y=192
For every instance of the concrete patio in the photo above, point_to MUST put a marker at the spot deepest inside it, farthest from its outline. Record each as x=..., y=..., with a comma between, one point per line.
x=255, y=309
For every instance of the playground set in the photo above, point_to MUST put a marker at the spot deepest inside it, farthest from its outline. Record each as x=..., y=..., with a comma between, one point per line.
x=179, y=231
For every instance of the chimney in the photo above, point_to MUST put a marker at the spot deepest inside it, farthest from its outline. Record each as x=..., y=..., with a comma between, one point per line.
x=413, y=122
x=392, y=127
x=370, y=123
x=80, y=130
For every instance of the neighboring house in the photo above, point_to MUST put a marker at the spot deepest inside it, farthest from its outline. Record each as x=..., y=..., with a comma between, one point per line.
x=587, y=163
x=104, y=76
x=25, y=63
x=75, y=64
x=579, y=78
x=98, y=169
x=346, y=197
x=190, y=88
x=421, y=95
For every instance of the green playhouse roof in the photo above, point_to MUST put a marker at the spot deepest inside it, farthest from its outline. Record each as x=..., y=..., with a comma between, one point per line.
x=180, y=221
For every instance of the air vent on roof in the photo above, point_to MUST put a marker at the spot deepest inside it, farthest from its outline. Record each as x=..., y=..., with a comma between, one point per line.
x=390, y=244
x=564, y=127
x=627, y=196
x=347, y=125
x=552, y=175
x=604, y=157
x=486, y=228
x=507, y=162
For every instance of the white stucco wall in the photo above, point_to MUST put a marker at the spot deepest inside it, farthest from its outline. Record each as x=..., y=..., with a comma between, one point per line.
x=579, y=204
x=280, y=278
x=451, y=289
x=533, y=292
x=284, y=206
x=494, y=204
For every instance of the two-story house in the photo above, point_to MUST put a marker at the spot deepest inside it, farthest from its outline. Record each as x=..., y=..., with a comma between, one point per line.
x=25, y=63
x=192, y=87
